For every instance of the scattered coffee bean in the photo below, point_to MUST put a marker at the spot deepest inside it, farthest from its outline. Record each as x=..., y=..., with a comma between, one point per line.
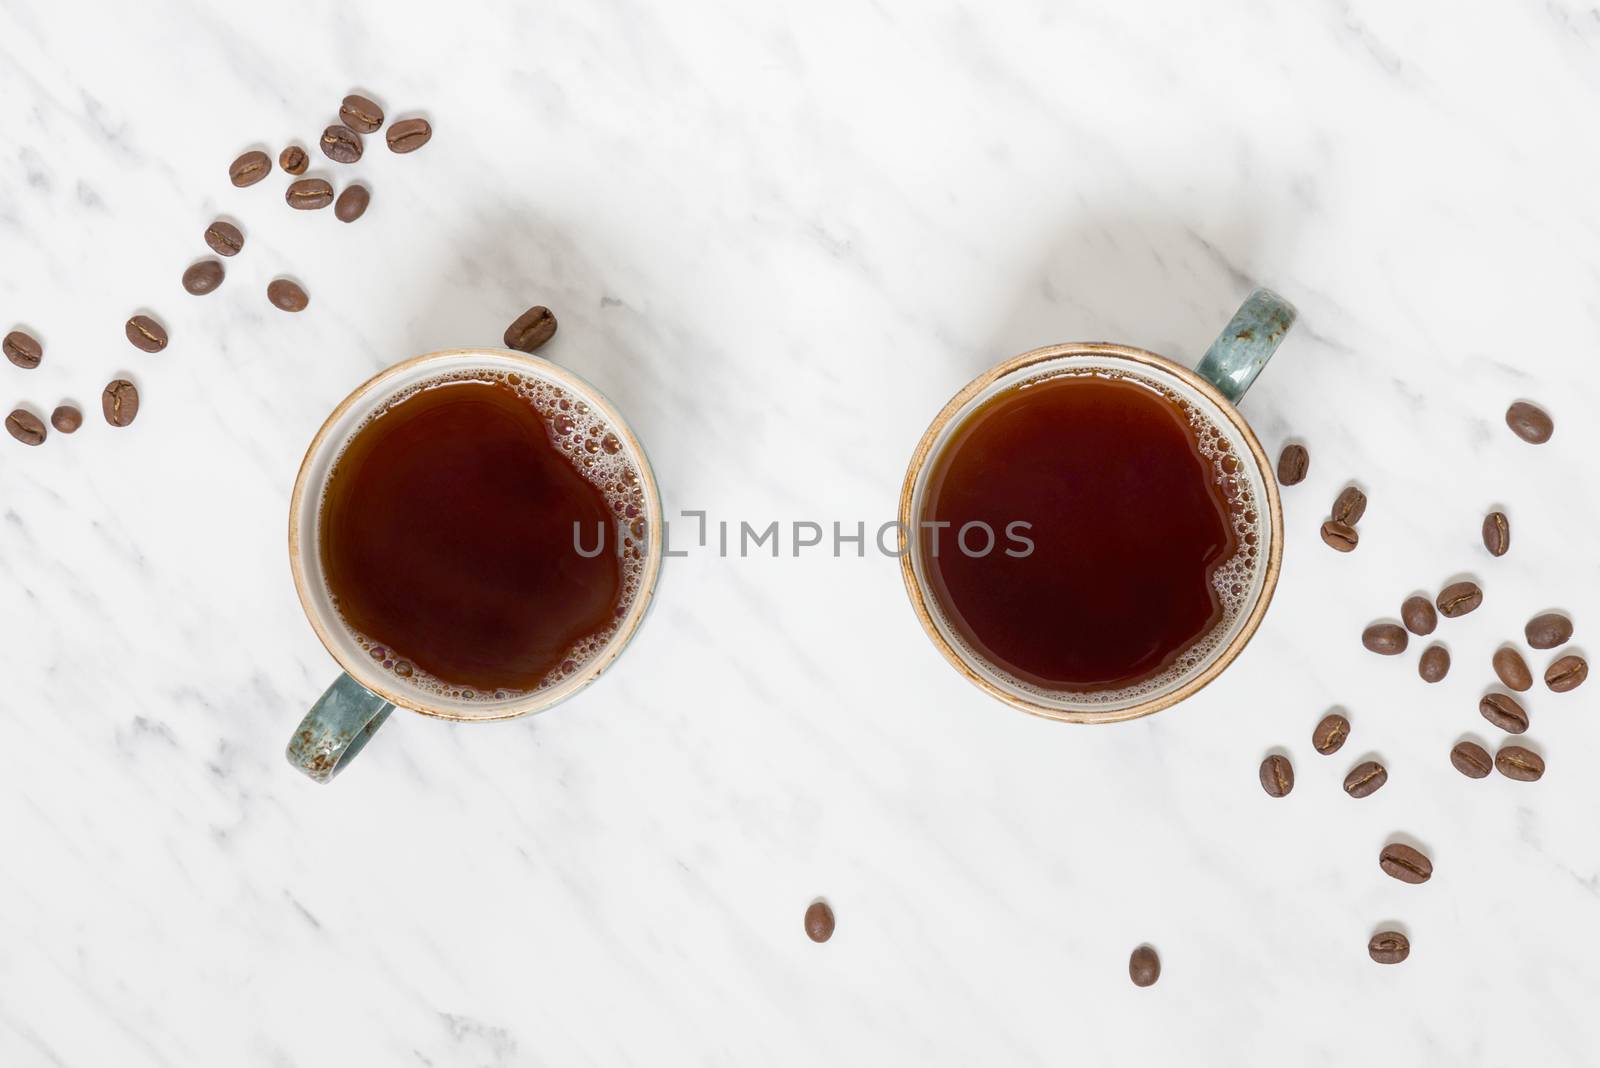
x=1512, y=669
x=1459, y=598
x=1530, y=423
x=1496, y=533
x=1418, y=615
x=1404, y=863
x=203, y=277
x=819, y=921
x=1471, y=760
x=1293, y=463
x=224, y=238
x=1385, y=639
x=308, y=194
x=1523, y=765
x=1567, y=673
x=1340, y=536
x=249, y=169
x=1144, y=967
x=1548, y=630
x=1435, y=663
x=145, y=333
x=66, y=418
x=531, y=329
x=119, y=401
x=1504, y=712
x=1389, y=947
x=341, y=144
x=22, y=349
x=294, y=160
x=1365, y=779
x=352, y=203
x=408, y=135
x=26, y=427
x=1277, y=776
x=361, y=114
x=286, y=295
x=1349, y=506
x=1330, y=734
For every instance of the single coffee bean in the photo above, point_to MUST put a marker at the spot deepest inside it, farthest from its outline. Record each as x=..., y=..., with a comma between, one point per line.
x=294, y=160
x=26, y=427
x=249, y=169
x=1567, y=673
x=1530, y=422
x=1293, y=463
x=1349, y=506
x=341, y=144
x=1523, y=765
x=203, y=277
x=308, y=194
x=22, y=349
x=1277, y=775
x=1417, y=613
x=1389, y=947
x=1512, y=669
x=1471, y=760
x=408, y=135
x=1435, y=663
x=1496, y=533
x=1385, y=639
x=224, y=238
x=1405, y=863
x=1330, y=734
x=66, y=418
x=1459, y=598
x=1144, y=967
x=1548, y=630
x=819, y=921
x=361, y=114
x=352, y=203
x=145, y=333
x=1365, y=779
x=119, y=401
x=1503, y=711
x=531, y=329
x=286, y=295
x=1340, y=536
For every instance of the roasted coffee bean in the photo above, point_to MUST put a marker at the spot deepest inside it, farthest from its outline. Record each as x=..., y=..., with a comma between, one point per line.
x=408, y=135
x=1567, y=673
x=361, y=114
x=1293, y=463
x=1144, y=967
x=1496, y=533
x=1405, y=863
x=819, y=921
x=341, y=144
x=1349, y=506
x=1389, y=947
x=22, y=349
x=119, y=401
x=1340, y=536
x=286, y=295
x=1512, y=669
x=1365, y=779
x=1418, y=615
x=1385, y=639
x=1503, y=711
x=1330, y=734
x=294, y=160
x=1471, y=760
x=1459, y=598
x=249, y=169
x=203, y=277
x=352, y=203
x=1548, y=630
x=224, y=238
x=1435, y=663
x=1277, y=775
x=145, y=333
x=531, y=329
x=1523, y=765
x=308, y=194
x=1530, y=423
x=66, y=418
x=26, y=427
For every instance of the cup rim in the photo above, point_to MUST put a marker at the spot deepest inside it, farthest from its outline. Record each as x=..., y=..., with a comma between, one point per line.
x=415, y=700
x=923, y=454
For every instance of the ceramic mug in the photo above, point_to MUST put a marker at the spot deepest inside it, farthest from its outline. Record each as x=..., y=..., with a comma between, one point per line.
x=1214, y=387
x=342, y=721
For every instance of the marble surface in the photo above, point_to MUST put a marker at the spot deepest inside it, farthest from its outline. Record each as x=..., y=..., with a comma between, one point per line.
x=780, y=237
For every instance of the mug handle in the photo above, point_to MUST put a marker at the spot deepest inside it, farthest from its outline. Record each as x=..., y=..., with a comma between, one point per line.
x=338, y=727
x=1246, y=343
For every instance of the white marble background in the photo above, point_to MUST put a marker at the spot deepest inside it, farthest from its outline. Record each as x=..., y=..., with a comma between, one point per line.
x=780, y=236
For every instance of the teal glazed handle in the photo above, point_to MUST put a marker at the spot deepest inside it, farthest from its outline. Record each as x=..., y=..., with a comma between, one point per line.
x=1247, y=343
x=338, y=727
